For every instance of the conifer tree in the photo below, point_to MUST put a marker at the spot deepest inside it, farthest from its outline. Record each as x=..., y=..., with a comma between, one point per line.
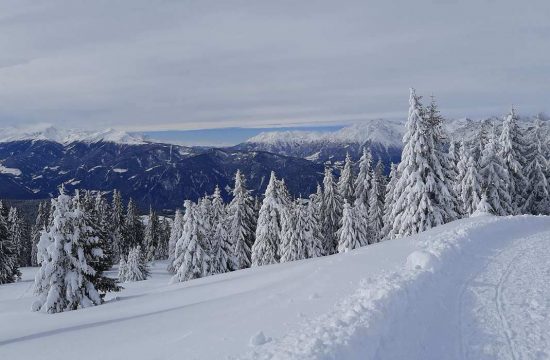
x=313, y=242
x=292, y=246
x=117, y=225
x=67, y=252
x=152, y=235
x=376, y=205
x=511, y=151
x=332, y=213
x=265, y=250
x=241, y=224
x=183, y=240
x=421, y=197
x=16, y=233
x=41, y=223
x=136, y=266
x=132, y=235
x=346, y=183
x=176, y=233
x=471, y=188
x=461, y=169
x=164, y=237
x=496, y=179
x=483, y=207
x=122, y=270
x=536, y=193
x=9, y=271
x=348, y=238
x=363, y=180
x=222, y=260
x=389, y=201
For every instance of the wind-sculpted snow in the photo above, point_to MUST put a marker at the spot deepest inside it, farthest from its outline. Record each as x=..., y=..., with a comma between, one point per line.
x=475, y=289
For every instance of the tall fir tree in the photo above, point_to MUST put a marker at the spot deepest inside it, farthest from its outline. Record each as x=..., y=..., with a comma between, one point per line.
x=471, y=188
x=422, y=199
x=132, y=234
x=164, y=238
x=9, y=270
x=64, y=280
x=332, y=212
x=389, y=200
x=314, y=244
x=346, y=182
x=152, y=235
x=293, y=242
x=512, y=151
x=348, y=236
x=376, y=205
x=241, y=224
x=461, y=169
x=496, y=179
x=117, y=225
x=16, y=232
x=176, y=233
x=41, y=223
x=265, y=250
x=363, y=179
x=137, y=268
x=537, y=191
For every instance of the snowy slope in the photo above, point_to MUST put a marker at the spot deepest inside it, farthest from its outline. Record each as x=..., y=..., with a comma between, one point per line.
x=64, y=136
x=469, y=289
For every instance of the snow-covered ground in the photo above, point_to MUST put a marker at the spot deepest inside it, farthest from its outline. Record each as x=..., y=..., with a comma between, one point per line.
x=476, y=288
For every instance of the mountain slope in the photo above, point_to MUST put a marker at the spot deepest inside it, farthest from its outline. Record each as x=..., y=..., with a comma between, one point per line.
x=471, y=288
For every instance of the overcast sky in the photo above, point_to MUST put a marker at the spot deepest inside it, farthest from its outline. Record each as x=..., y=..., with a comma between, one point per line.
x=160, y=65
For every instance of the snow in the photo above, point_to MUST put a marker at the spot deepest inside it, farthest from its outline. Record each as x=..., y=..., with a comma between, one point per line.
x=65, y=136
x=120, y=171
x=10, y=171
x=473, y=288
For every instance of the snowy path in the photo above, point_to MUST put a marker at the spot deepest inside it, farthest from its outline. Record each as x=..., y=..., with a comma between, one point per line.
x=473, y=289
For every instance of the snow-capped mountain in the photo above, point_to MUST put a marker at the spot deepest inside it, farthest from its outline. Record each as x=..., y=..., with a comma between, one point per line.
x=64, y=136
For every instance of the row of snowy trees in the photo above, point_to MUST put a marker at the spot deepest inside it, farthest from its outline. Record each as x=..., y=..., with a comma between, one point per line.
x=15, y=248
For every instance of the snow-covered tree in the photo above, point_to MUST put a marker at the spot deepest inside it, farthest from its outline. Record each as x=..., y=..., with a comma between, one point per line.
x=175, y=234
x=346, y=182
x=41, y=223
x=496, y=179
x=122, y=270
x=292, y=229
x=268, y=231
x=483, y=207
x=241, y=224
x=9, y=271
x=461, y=169
x=470, y=187
x=363, y=179
x=421, y=196
x=332, y=212
x=117, y=224
x=164, y=237
x=536, y=193
x=389, y=201
x=193, y=261
x=132, y=235
x=16, y=232
x=348, y=237
x=313, y=242
x=376, y=205
x=512, y=151
x=136, y=266
x=152, y=235
x=67, y=251
x=222, y=254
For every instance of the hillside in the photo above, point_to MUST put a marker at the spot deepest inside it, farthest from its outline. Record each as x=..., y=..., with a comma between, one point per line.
x=474, y=288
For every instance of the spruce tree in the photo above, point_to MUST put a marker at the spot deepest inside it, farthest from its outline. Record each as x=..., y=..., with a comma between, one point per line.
x=496, y=179
x=122, y=270
x=175, y=234
x=164, y=237
x=512, y=151
x=461, y=169
x=313, y=242
x=346, y=183
x=183, y=240
x=136, y=266
x=241, y=224
x=41, y=223
x=363, y=180
x=222, y=260
x=348, y=237
x=117, y=225
x=265, y=250
x=332, y=212
x=67, y=252
x=421, y=196
x=152, y=235
x=16, y=233
x=132, y=234
x=536, y=193
x=9, y=271
x=389, y=201
x=291, y=247
x=471, y=188
x=376, y=205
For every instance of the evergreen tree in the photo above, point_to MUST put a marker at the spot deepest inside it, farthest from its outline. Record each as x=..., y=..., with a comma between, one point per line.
x=67, y=252
x=313, y=241
x=136, y=266
x=183, y=240
x=122, y=270
x=511, y=151
x=376, y=205
x=176, y=233
x=241, y=224
x=483, y=207
x=421, y=197
x=132, y=234
x=348, y=237
x=41, y=223
x=389, y=201
x=223, y=251
x=332, y=212
x=363, y=180
x=16, y=233
x=346, y=183
x=268, y=232
x=496, y=179
x=194, y=258
x=461, y=169
x=537, y=191
x=471, y=187
x=117, y=225
x=299, y=242
x=152, y=235
x=9, y=271
x=164, y=237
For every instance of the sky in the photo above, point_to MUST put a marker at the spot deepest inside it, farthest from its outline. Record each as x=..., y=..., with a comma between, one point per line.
x=159, y=65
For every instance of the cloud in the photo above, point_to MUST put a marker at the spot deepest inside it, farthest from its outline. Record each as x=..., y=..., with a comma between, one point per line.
x=140, y=64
